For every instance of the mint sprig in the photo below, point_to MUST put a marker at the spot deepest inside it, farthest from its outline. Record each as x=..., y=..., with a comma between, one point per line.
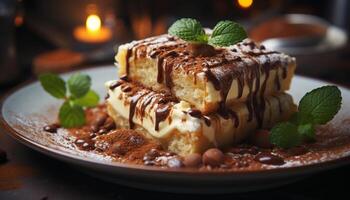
x=71, y=113
x=316, y=107
x=79, y=84
x=188, y=29
x=225, y=33
x=54, y=85
x=285, y=135
x=321, y=104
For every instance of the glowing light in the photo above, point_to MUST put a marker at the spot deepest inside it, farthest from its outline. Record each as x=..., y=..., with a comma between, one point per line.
x=245, y=3
x=93, y=31
x=93, y=23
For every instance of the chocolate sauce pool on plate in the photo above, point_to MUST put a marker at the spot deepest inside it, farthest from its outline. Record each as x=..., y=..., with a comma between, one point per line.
x=269, y=159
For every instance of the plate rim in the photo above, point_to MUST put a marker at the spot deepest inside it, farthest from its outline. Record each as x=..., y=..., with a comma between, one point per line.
x=64, y=156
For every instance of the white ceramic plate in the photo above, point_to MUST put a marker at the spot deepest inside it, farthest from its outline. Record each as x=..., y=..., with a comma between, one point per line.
x=26, y=110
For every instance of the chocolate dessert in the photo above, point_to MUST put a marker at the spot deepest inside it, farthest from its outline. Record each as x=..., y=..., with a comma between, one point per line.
x=199, y=101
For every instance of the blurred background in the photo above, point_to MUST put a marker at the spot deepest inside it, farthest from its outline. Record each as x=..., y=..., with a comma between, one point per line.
x=39, y=36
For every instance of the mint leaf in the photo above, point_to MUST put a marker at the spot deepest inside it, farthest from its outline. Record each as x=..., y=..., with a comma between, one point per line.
x=227, y=33
x=91, y=99
x=307, y=131
x=53, y=84
x=285, y=135
x=301, y=118
x=188, y=29
x=321, y=103
x=71, y=115
x=79, y=85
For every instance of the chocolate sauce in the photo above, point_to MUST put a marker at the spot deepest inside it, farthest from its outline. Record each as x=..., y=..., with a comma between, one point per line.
x=162, y=64
x=277, y=81
x=160, y=74
x=115, y=84
x=240, y=87
x=195, y=113
x=207, y=120
x=162, y=113
x=227, y=113
x=126, y=88
x=146, y=101
x=269, y=159
x=133, y=102
x=124, y=78
x=235, y=118
x=279, y=104
x=200, y=49
x=212, y=78
x=220, y=69
x=284, y=72
x=168, y=75
x=258, y=107
x=52, y=128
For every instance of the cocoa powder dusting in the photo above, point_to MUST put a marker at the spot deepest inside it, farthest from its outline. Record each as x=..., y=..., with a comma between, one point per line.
x=131, y=146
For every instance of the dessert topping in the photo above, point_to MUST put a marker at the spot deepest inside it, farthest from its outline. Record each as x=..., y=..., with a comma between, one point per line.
x=317, y=107
x=213, y=157
x=225, y=33
x=52, y=128
x=193, y=160
x=269, y=159
x=71, y=113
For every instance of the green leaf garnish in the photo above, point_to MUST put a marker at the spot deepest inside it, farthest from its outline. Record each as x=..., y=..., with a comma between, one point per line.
x=285, y=135
x=188, y=29
x=307, y=131
x=316, y=107
x=71, y=113
x=53, y=84
x=322, y=104
x=91, y=99
x=79, y=84
x=227, y=33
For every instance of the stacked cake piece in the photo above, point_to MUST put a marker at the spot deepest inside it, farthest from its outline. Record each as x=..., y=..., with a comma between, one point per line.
x=191, y=97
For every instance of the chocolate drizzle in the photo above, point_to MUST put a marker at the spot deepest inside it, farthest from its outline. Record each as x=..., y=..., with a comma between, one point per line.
x=269, y=159
x=198, y=114
x=195, y=113
x=220, y=67
x=133, y=102
x=115, y=84
x=162, y=113
x=207, y=120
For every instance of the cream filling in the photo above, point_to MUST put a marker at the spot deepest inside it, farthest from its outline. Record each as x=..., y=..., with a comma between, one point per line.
x=177, y=121
x=221, y=132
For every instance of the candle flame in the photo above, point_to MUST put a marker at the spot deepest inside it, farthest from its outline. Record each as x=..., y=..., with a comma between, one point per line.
x=245, y=3
x=93, y=23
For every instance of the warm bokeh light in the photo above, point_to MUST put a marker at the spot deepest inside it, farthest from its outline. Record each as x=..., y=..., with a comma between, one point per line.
x=93, y=23
x=245, y=3
x=93, y=31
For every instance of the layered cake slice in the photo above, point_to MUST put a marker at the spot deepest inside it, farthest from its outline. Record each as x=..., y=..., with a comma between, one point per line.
x=206, y=77
x=181, y=128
